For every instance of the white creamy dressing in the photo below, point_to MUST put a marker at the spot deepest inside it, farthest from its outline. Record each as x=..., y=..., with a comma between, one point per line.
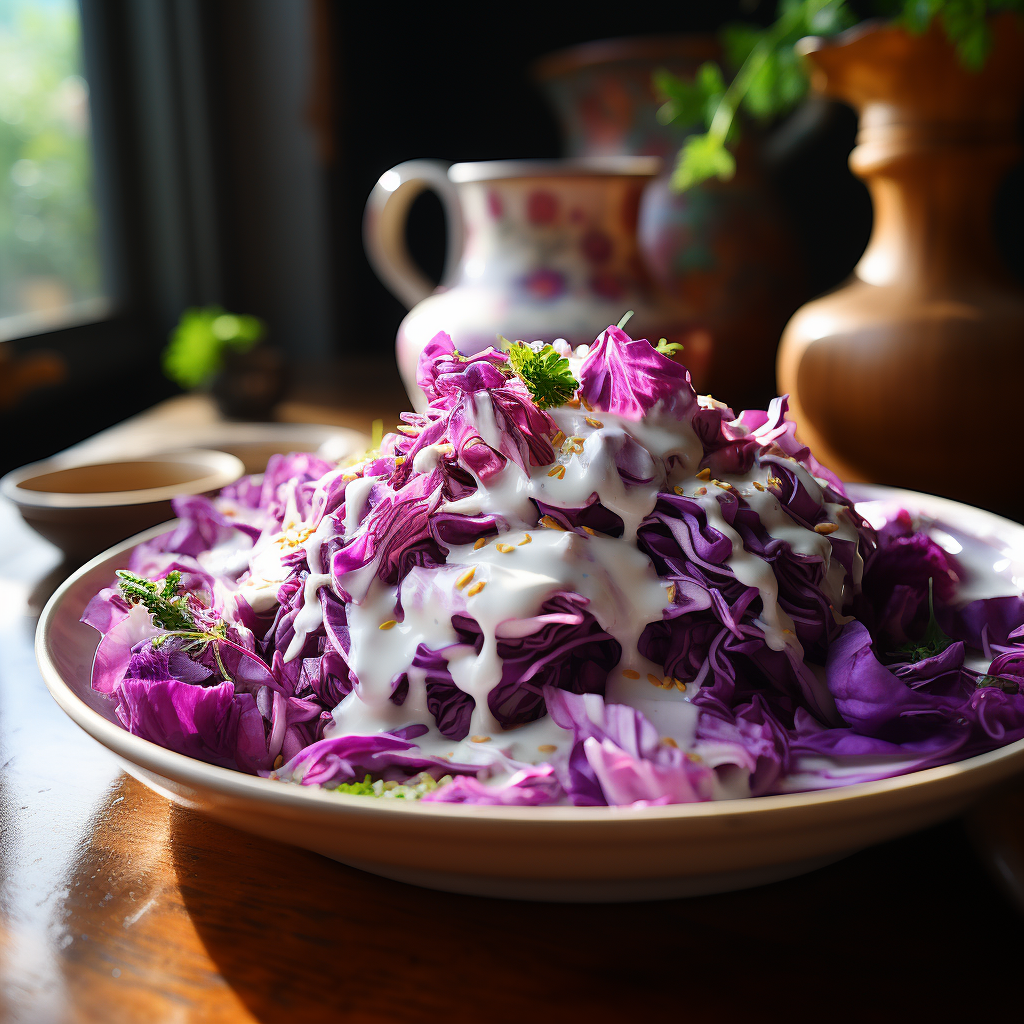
x=524, y=566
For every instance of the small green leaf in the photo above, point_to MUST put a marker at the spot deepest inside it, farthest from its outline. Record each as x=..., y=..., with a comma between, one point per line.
x=702, y=157
x=690, y=104
x=1010, y=686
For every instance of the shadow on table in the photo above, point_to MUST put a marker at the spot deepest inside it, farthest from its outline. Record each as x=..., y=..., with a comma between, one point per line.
x=907, y=930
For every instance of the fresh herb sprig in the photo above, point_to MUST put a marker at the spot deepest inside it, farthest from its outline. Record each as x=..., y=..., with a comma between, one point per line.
x=545, y=373
x=933, y=641
x=168, y=605
x=771, y=78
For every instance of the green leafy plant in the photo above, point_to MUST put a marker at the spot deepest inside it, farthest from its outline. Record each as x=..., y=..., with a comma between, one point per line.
x=545, y=373
x=770, y=77
x=201, y=339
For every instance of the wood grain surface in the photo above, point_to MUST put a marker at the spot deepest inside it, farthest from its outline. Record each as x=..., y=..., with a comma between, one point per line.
x=116, y=906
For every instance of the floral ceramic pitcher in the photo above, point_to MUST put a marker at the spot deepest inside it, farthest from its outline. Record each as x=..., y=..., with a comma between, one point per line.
x=536, y=251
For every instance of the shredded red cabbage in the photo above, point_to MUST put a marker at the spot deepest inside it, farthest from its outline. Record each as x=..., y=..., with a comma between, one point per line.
x=681, y=605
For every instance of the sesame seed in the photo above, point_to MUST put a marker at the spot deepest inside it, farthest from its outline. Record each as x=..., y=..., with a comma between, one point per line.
x=547, y=748
x=278, y=761
x=349, y=476
x=653, y=679
x=700, y=492
x=526, y=540
x=479, y=739
x=504, y=548
x=480, y=542
x=789, y=631
x=551, y=524
x=630, y=673
x=473, y=441
x=672, y=592
x=573, y=403
x=558, y=471
x=596, y=424
x=399, y=460
x=826, y=528
x=410, y=431
x=445, y=449
x=724, y=484
x=704, y=474
x=558, y=439
x=587, y=529
x=389, y=624
x=757, y=486
x=475, y=589
x=667, y=741
x=465, y=578
x=587, y=405
x=680, y=685
x=678, y=490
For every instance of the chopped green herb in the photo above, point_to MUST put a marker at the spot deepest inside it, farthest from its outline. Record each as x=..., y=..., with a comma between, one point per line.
x=415, y=788
x=1010, y=686
x=546, y=374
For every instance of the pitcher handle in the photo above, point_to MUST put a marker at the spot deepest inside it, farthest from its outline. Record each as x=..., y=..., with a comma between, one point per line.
x=384, y=218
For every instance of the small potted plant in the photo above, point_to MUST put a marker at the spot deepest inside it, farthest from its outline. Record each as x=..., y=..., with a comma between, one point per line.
x=228, y=354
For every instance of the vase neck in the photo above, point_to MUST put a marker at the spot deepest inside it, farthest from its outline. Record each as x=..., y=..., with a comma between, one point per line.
x=933, y=186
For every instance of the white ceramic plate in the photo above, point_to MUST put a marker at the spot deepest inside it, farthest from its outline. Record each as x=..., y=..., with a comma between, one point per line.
x=546, y=853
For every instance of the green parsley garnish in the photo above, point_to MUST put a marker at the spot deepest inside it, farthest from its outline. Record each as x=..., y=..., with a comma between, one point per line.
x=933, y=641
x=546, y=374
x=668, y=348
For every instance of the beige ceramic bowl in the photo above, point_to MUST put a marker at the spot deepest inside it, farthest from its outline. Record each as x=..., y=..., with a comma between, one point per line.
x=550, y=853
x=84, y=508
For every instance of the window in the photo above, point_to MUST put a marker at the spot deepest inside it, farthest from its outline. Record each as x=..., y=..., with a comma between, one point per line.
x=50, y=268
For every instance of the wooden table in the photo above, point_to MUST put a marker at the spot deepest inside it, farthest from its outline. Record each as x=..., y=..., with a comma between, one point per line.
x=116, y=906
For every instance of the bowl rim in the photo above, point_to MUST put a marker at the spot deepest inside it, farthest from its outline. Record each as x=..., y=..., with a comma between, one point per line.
x=223, y=468
x=334, y=806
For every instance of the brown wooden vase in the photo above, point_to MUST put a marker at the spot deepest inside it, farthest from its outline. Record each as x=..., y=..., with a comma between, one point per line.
x=912, y=373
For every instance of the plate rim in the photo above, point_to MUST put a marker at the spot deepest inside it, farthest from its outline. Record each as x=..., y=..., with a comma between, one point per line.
x=226, y=782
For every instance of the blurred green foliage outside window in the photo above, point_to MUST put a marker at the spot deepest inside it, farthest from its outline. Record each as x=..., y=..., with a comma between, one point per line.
x=50, y=271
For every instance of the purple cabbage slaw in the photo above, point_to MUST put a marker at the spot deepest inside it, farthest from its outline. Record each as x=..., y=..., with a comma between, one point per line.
x=884, y=687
